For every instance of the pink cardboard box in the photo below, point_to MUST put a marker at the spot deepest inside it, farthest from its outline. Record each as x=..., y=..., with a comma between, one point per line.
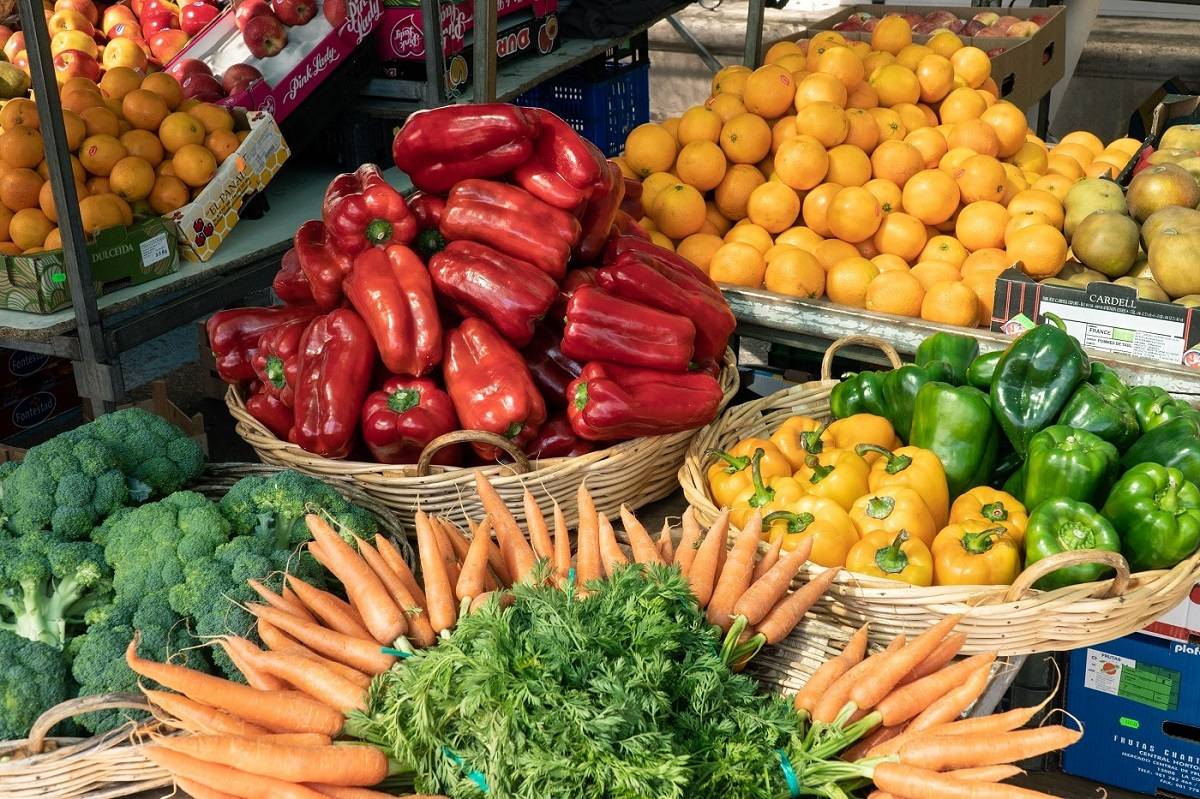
x=403, y=39
x=313, y=51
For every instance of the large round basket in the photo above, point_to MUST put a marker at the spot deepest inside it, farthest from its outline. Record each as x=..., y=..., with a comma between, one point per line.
x=111, y=764
x=633, y=473
x=1012, y=620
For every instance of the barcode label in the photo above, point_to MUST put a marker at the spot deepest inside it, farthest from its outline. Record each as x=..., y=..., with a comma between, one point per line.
x=154, y=250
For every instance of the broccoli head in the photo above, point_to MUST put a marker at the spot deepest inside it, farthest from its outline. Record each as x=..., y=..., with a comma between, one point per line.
x=48, y=585
x=33, y=678
x=157, y=457
x=276, y=506
x=66, y=485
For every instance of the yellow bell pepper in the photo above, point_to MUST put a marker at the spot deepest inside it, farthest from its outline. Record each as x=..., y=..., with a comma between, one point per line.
x=892, y=557
x=894, y=508
x=730, y=474
x=975, y=552
x=839, y=474
x=823, y=519
x=916, y=468
x=777, y=493
x=792, y=441
x=995, y=506
x=862, y=428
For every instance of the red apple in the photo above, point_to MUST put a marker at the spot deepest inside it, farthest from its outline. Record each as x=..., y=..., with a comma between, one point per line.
x=166, y=44
x=116, y=14
x=1006, y=22
x=247, y=9
x=238, y=77
x=986, y=18
x=181, y=69
x=85, y=7
x=21, y=61
x=75, y=63
x=1040, y=19
x=5, y=34
x=153, y=23
x=127, y=30
x=1025, y=28
x=150, y=7
x=125, y=52
x=205, y=88
x=14, y=45
x=942, y=17
x=194, y=16
x=992, y=31
x=869, y=25
x=927, y=27
x=136, y=5
x=972, y=28
x=335, y=12
x=69, y=20
x=848, y=25
x=264, y=35
x=956, y=25
x=995, y=51
x=294, y=12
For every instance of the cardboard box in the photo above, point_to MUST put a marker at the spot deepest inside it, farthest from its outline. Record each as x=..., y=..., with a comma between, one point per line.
x=37, y=400
x=207, y=220
x=1104, y=316
x=1169, y=109
x=120, y=256
x=1180, y=623
x=313, y=51
x=17, y=366
x=1138, y=700
x=402, y=35
x=1025, y=70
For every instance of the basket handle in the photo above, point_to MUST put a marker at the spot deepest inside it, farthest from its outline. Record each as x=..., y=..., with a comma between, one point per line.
x=520, y=462
x=866, y=341
x=1078, y=557
x=75, y=707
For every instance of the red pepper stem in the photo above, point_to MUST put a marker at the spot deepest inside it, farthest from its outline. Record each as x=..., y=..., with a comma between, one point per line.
x=379, y=231
x=404, y=400
x=994, y=512
x=736, y=463
x=796, y=522
x=762, y=492
x=892, y=559
x=275, y=372
x=981, y=542
x=819, y=472
x=895, y=463
x=810, y=440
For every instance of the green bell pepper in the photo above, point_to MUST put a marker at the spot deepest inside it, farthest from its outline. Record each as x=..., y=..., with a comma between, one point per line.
x=957, y=352
x=1157, y=514
x=1068, y=462
x=1008, y=463
x=1155, y=407
x=858, y=392
x=1175, y=443
x=899, y=388
x=1015, y=484
x=955, y=423
x=979, y=373
x=1064, y=525
x=1104, y=375
x=1103, y=410
x=1036, y=376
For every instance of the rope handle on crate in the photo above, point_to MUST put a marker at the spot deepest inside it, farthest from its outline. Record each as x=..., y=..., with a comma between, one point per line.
x=866, y=341
x=1079, y=557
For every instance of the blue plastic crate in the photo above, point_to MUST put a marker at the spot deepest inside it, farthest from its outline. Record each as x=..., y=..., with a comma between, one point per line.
x=604, y=110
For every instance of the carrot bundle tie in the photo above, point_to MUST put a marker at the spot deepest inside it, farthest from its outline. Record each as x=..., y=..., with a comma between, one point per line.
x=473, y=775
x=400, y=653
x=789, y=773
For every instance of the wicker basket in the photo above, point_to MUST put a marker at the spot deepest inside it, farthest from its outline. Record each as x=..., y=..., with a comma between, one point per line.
x=1012, y=620
x=111, y=764
x=634, y=473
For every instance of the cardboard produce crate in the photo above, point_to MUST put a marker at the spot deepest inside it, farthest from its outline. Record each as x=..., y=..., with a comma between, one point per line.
x=17, y=366
x=1167, y=111
x=402, y=36
x=36, y=399
x=121, y=256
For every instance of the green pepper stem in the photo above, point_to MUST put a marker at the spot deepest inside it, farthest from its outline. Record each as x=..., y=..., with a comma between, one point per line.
x=981, y=542
x=275, y=372
x=513, y=430
x=796, y=522
x=403, y=400
x=762, y=492
x=880, y=507
x=1055, y=319
x=810, y=440
x=895, y=463
x=581, y=396
x=379, y=231
x=819, y=472
x=736, y=463
x=994, y=512
x=892, y=559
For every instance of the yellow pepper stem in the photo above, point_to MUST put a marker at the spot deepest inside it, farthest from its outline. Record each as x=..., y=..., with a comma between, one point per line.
x=895, y=463
x=994, y=512
x=892, y=559
x=796, y=522
x=736, y=464
x=819, y=472
x=810, y=440
x=762, y=492
x=981, y=542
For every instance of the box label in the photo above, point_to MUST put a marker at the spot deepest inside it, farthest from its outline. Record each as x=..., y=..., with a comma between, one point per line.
x=1120, y=676
x=154, y=249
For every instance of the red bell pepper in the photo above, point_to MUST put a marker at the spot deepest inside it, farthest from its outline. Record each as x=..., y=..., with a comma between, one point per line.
x=491, y=386
x=626, y=225
x=623, y=244
x=557, y=439
x=610, y=402
x=563, y=167
x=233, y=336
x=510, y=294
x=290, y=283
x=582, y=276
x=513, y=221
x=323, y=264
x=603, y=327
x=602, y=206
x=427, y=208
x=552, y=370
x=631, y=203
x=277, y=359
x=337, y=357
x=273, y=413
x=404, y=415
x=361, y=210
x=391, y=290
x=442, y=146
x=639, y=277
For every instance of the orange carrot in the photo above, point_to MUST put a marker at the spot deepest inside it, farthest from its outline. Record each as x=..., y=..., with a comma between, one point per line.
x=882, y=795
x=197, y=717
x=340, y=792
x=952, y=704
x=946, y=752
x=333, y=612
x=539, y=533
x=784, y=617
x=336, y=765
x=472, y=580
x=666, y=544
x=439, y=592
x=324, y=685
x=198, y=790
x=831, y=670
x=769, y=559
x=979, y=726
x=830, y=704
x=518, y=555
x=387, y=550
x=296, y=738
x=918, y=783
x=278, y=711
x=906, y=702
x=643, y=546
x=985, y=773
x=868, y=694
x=689, y=542
x=878, y=737
x=354, y=652
x=363, y=587
x=562, y=546
x=231, y=780
x=283, y=602
x=416, y=619
x=765, y=593
x=458, y=542
x=611, y=554
x=506, y=599
x=946, y=651
x=587, y=556
x=445, y=548
x=702, y=574
x=736, y=574
x=278, y=641
x=241, y=652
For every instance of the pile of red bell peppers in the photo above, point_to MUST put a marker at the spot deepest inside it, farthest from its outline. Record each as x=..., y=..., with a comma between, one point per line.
x=513, y=293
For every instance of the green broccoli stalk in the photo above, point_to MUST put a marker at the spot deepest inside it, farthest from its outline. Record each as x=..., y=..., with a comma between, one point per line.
x=156, y=456
x=33, y=678
x=48, y=584
x=275, y=506
x=67, y=485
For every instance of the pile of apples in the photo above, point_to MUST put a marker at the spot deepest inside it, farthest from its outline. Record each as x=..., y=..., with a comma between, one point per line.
x=264, y=23
x=197, y=81
x=985, y=23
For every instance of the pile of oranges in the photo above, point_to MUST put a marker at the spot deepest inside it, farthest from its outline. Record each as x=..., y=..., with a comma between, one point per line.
x=884, y=175
x=137, y=148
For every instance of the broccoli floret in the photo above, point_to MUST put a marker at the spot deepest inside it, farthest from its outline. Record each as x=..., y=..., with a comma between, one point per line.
x=33, y=678
x=156, y=456
x=276, y=506
x=66, y=485
x=48, y=584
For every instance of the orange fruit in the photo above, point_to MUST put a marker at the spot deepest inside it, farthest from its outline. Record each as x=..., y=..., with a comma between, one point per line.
x=144, y=109
x=194, y=165
x=891, y=34
x=862, y=132
x=931, y=196
x=1041, y=249
x=699, y=248
x=747, y=232
x=29, y=227
x=867, y=249
x=972, y=65
x=944, y=43
x=960, y=105
x=100, y=121
x=19, y=188
x=989, y=261
x=715, y=219
x=815, y=207
x=901, y=235
x=773, y=206
x=801, y=162
x=935, y=75
x=912, y=116
x=780, y=49
x=824, y=121
x=843, y=64
x=648, y=148
x=889, y=124
x=847, y=281
x=662, y=241
x=862, y=96
x=726, y=106
x=53, y=240
x=887, y=193
x=886, y=262
x=950, y=303
x=1081, y=155
x=738, y=264
x=930, y=272
x=1029, y=158
x=819, y=87
x=1055, y=184
x=21, y=147
x=144, y=145
x=733, y=192
x=783, y=129
x=981, y=224
x=854, y=214
x=819, y=43
x=946, y=249
x=833, y=251
x=1088, y=140
x=19, y=112
x=96, y=185
x=1016, y=223
x=132, y=178
x=78, y=100
x=800, y=237
x=730, y=80
x=100, y=153
x=1101, y=169
x=848, y=166
x=746, y=139
x=98, y=212
x=700, y=164
x=653, y=184
x=896, y=161
x=119, y=81
x=984, y=287
x=952, y=161
x=976, y=135
x=895, y=84
x=1066, y=166
x=79, y=83
x=166, y=87
x=896, y=292
x=678, y=210
x=168, y=194
x=876, y=59
x=930, y=144
x=1008, y=123
x=1039, y=201
x=981, y=177
x=910, y=56
x=75, y=129
x=795, y=273
x=769, y=91
x=699, y=123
